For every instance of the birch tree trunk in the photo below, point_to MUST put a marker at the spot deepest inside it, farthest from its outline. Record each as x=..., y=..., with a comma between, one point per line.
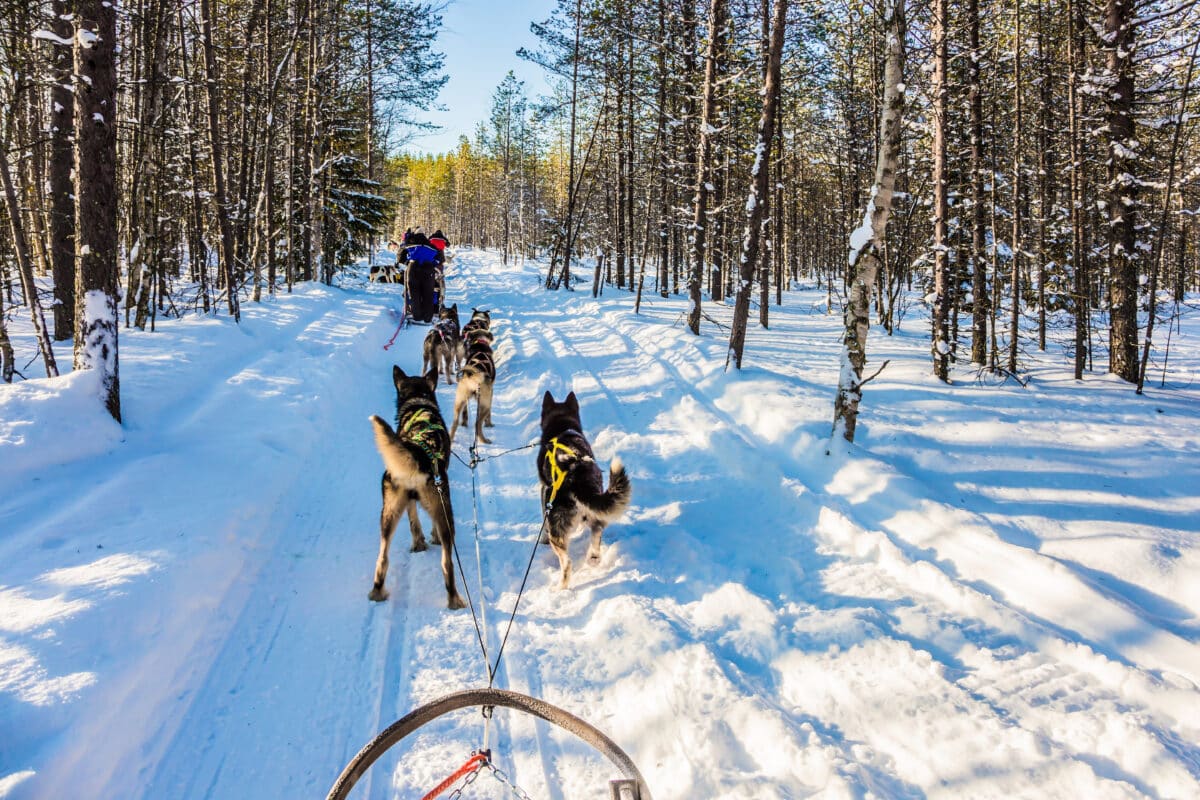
x=867, y=241
x=708, y=113
x=767, y=230
x=760, y=192
x=96, y=198
x=941, y=279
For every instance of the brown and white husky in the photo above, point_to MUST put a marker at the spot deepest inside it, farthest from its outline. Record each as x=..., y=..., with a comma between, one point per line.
x=415, y=458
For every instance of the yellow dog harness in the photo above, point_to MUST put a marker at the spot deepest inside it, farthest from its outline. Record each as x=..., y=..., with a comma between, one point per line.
x=558, y=475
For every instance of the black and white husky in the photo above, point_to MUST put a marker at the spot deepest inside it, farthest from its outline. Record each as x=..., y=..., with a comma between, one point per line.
x=380, y=273
x=572, y=483
x=478, y=377
x=415, y=459
x=443, y=349
x=481, y=319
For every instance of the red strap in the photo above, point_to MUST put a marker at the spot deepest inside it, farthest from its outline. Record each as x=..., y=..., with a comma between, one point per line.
x=397, y=333
x=474, y=763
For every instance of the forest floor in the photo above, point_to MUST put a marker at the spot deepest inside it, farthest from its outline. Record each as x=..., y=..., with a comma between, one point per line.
x=994, y=593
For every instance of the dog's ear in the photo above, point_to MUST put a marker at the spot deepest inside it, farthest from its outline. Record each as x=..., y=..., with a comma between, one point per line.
x=454, y=308
x=572, y=402
x=397, y=375
x=431, y=378
x=547, y=401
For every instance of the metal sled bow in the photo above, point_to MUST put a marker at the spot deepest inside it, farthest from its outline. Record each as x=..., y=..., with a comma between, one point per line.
x=633, y=787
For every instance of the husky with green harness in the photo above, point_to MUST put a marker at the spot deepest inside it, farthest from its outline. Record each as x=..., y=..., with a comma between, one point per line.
x=415, y=458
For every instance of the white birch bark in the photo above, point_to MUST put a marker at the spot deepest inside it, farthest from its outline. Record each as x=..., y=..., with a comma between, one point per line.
x=867, y=240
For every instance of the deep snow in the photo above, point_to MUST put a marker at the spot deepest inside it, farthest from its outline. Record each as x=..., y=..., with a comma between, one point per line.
x=993, y=594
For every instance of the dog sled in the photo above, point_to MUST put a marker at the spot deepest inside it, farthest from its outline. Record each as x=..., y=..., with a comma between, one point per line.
x=630, y=786
x=422, y=310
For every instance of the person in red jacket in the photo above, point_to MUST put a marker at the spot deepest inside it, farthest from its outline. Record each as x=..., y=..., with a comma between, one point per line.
x=440, y=243
x=423, y=281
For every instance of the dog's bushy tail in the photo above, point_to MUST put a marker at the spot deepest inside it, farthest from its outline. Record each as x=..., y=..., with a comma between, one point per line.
x=396, y=459
x=469, y=382
x=610, y=505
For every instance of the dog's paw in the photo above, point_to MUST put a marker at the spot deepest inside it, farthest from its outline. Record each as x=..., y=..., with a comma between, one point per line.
x=593, y=559
x=378, y=594
x=455, y=603
x=420, y=547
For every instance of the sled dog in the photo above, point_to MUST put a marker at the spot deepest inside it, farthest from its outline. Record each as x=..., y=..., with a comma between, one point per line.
x=415, y=458
x=480, y=320
x=572, y=484
x=443, y=344
x=385, y=274
x=478, y=377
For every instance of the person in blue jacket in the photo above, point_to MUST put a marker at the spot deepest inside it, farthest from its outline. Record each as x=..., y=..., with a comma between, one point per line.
x=422, y=261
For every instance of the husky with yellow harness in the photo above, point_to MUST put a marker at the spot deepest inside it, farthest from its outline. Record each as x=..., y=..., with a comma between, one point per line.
x=573, y=492
x=415, y=458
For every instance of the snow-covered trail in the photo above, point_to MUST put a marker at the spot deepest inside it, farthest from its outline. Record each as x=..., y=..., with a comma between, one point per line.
x=214, y=640
x=935, y=615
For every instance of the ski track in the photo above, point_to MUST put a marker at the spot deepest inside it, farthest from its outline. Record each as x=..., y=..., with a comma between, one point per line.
x=880, y=657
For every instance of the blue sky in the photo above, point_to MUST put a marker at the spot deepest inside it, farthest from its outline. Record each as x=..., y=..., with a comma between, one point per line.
x=480, y=39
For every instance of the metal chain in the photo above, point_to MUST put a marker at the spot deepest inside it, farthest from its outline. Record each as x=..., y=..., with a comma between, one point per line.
x=517, y=791
x=467, y=781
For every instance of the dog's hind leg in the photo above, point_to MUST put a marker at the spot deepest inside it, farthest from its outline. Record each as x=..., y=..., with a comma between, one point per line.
x=437, y=502
x=545, y=537
x=483, y=411
x=593, y=553
x=560, y=524
x=388, y=517
x=460, y=402
x=564, y=559
x=485, y=402
x=414, y=526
